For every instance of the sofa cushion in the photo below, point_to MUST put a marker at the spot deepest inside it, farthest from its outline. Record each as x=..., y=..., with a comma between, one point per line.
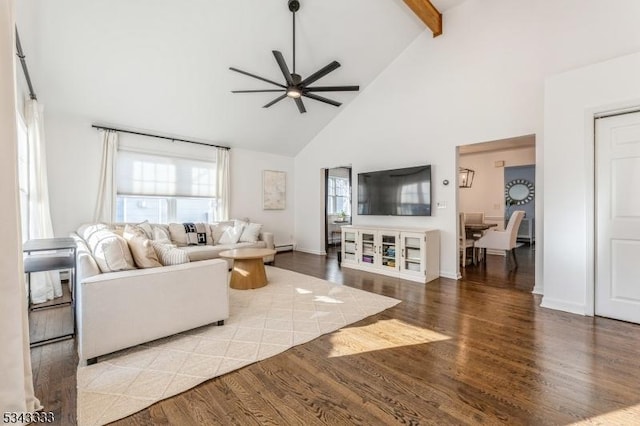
x=179, y=235
x=250, y=233
x=257, y=244
x=196, y=253
x=213, y=252
x=169, y=254
x=144, y=255
x=110, y=251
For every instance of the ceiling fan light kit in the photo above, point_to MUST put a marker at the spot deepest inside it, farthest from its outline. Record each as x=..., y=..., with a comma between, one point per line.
x=294, y=86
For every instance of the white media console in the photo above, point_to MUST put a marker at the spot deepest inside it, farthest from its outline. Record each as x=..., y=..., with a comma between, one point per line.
x=408, y=253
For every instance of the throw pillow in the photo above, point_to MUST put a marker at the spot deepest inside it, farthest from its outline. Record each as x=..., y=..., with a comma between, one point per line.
x=217, y=229
x=160, y=235
x=231, y=235
x=251, y=233
x=179, y=234
x=144, y=255
x=110, y=251
x=85, y=230
x=131, y=231
x=169, y=254
x=146, y=227
x=196, y=233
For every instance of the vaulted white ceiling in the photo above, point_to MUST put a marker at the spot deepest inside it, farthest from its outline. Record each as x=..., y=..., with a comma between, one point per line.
x=163, y=65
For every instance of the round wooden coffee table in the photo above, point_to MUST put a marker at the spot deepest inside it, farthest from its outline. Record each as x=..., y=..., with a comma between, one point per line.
x=248, y=267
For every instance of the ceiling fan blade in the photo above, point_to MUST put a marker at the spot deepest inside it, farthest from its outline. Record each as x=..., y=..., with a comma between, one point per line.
x=278, y=99
x=257, y=76
x=301, y=107
x=256, y=91
x=283, y=67
x=321, y=99
x=320, y=73
x=332, y=89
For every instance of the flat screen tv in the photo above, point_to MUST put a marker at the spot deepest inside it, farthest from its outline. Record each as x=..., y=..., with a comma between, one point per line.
x=397, y=192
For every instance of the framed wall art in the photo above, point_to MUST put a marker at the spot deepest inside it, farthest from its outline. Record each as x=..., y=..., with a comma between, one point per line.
x=274, y=190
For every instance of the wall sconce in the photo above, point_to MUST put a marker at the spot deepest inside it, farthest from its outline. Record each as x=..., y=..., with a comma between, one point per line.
x=466, y=177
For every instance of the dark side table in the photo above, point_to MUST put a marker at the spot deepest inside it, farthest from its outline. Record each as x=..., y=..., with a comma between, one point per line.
x=62, y=256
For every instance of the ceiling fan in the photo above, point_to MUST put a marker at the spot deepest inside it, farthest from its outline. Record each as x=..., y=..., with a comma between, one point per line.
x=294, y=86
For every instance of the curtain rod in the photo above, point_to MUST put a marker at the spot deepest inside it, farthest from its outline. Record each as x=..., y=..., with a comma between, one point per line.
x=157, y=136
x=20, y=55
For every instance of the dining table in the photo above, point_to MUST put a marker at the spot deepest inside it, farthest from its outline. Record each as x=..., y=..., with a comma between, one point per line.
x=474, y=231
x=479, y=226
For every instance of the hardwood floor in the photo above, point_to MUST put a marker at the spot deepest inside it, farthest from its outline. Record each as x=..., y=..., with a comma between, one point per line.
x=451, y=353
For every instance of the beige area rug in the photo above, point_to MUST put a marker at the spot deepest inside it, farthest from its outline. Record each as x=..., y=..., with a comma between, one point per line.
x=292, y=309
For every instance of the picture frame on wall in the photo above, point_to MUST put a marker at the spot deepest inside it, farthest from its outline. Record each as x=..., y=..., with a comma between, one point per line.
x=274, y=190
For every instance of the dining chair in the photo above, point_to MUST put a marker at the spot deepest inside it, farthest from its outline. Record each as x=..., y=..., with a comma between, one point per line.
x=464, y=242
x=474, y=217
x=502, y=240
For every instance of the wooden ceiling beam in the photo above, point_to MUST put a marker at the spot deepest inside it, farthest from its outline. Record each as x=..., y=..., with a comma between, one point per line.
x=428, y=14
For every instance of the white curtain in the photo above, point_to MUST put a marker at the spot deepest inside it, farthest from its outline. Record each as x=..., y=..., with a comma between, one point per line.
x=16, y=382
x=106, y=203
x=223, y=184
x=44, y=285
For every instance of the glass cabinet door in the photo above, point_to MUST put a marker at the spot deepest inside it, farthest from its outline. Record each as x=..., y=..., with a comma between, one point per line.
x=389, y=250
x=367, y=247
x=413, y=249
x=349, y=243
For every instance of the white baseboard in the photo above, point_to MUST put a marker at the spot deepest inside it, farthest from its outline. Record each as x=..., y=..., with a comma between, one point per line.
x=318, y=252
x=562, y=305
x=450, y=275
x=538, y=290
x=284, y=247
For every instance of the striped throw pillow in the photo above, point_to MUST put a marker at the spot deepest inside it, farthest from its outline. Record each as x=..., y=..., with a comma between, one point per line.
x=169, y=254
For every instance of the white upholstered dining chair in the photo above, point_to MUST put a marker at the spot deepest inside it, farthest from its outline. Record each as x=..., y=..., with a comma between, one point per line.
x=503, y=240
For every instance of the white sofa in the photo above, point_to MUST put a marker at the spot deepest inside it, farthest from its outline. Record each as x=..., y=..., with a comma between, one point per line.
x=117, y=310
x=121, y=309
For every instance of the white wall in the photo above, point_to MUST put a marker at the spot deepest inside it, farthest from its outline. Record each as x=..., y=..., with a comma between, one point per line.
x=487, y=192
x=246, y=192
x=74, y=153
x=482, y=80
x=571, y=100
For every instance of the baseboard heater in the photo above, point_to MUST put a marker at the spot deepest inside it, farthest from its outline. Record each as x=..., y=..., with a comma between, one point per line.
x=284, y=247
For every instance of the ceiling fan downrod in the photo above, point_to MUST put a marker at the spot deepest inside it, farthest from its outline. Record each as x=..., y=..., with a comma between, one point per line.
x=294, y=6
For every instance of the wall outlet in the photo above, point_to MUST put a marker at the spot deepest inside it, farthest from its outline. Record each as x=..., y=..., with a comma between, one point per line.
x=442, y=205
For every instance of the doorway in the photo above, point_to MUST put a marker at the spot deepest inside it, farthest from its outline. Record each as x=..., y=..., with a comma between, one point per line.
x=617, y=212
x=496, y=174
x=337, y=205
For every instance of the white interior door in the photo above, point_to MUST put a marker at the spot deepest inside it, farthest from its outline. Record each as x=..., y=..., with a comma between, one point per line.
x=617, y=292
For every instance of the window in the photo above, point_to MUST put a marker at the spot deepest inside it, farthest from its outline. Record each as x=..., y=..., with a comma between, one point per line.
x=23, y=176
x=163, y=189
x=338, y=196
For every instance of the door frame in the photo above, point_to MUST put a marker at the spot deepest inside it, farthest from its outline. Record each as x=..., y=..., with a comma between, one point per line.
x=591, y=116
x=324, y=176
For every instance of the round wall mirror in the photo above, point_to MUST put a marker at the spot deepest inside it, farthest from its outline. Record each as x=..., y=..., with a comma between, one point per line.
x=518, y=192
